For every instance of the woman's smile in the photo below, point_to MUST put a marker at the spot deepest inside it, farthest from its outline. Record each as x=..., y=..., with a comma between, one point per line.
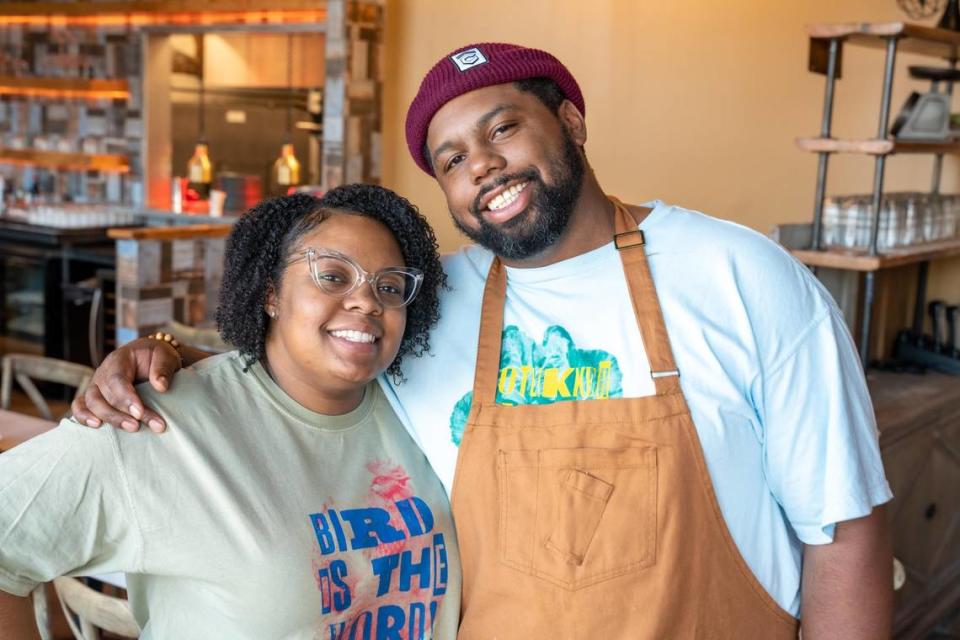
x=328, y=345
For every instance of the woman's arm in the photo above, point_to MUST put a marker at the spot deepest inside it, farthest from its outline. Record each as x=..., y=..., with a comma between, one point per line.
x=66, y=507
x=17, y=618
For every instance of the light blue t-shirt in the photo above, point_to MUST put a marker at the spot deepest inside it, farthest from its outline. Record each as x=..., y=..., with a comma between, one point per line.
x=766, y=363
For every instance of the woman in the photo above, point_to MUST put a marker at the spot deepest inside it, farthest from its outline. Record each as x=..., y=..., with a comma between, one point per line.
x=285, y=499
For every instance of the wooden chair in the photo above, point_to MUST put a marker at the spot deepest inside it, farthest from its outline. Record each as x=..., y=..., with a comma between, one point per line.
x=204, y=338
x=26, y=368
x=41, y=611
x=89, y=612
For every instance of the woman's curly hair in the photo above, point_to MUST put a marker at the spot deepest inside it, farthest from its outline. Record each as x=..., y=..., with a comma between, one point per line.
x=267, y=234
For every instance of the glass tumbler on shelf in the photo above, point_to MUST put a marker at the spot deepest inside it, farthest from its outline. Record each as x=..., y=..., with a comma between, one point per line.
x=911, y=231
x=858, y=221
x=944, y=228
x=888, y=227
x=930, y=218
x=842, y=232
x=859, y=218
x=951, y=215
x=831, y=228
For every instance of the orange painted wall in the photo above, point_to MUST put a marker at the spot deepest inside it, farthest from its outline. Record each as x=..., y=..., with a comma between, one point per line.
x=696, y=103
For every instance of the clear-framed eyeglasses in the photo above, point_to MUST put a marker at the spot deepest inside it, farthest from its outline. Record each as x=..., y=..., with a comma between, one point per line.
x=339, y=276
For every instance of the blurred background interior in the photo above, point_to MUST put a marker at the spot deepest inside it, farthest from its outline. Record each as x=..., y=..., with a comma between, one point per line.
x=133, y=134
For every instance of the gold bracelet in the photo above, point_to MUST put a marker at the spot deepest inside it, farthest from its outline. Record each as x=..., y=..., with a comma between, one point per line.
x=168, y=338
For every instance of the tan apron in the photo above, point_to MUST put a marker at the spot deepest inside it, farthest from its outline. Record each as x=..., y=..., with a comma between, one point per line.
x=597, y=519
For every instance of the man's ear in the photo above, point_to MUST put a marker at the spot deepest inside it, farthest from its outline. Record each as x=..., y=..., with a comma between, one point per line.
x=573, y=121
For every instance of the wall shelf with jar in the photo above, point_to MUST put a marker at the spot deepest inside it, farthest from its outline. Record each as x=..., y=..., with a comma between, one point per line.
x=881, y=230
x=913, y=228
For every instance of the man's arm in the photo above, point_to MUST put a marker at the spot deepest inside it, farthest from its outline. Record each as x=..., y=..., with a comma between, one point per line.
x=111, y=398
x=16, y=618
x=847, y=586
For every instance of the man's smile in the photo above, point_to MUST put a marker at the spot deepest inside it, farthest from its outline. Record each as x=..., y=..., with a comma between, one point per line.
x=509, y=204
x=509, y=197
x=502, y=196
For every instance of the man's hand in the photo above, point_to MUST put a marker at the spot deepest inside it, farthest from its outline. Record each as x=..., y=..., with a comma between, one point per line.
x=848, y=585
x=111, y=398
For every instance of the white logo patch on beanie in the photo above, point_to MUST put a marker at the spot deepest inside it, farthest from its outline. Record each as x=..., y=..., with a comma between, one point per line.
x=466, y=60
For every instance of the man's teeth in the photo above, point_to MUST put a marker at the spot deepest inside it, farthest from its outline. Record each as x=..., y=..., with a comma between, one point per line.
x=353, y=336
x=506, y=197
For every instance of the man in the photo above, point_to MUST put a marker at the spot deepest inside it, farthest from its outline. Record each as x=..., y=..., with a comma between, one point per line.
x=710, y=470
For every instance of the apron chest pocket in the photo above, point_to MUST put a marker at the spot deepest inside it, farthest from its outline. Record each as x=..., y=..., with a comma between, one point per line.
x=576, y=517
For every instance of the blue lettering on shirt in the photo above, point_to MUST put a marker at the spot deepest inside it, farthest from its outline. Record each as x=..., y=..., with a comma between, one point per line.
x=422, y=567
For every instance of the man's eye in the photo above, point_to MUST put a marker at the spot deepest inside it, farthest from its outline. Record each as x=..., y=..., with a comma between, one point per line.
x=453, y=161
x=502, y=129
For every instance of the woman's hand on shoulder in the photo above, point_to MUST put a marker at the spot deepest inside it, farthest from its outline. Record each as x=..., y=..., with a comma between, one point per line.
x=110, y=396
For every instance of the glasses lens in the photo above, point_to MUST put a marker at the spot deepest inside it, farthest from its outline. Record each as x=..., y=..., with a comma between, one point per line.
x=395, y=287
x=334, y=275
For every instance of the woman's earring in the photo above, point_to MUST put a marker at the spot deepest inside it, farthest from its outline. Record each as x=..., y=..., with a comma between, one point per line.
x=272, y=313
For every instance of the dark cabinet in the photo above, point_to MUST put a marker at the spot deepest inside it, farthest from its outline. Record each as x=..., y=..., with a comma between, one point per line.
x=48, y=278
x=919, y=421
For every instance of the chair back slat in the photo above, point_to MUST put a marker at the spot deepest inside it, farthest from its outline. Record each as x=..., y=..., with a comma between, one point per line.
x=34, y=394
x=96, y=611
x=41, y=611
x=25, y=368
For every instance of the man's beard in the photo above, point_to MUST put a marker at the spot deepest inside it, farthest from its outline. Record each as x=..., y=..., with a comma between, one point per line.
x=533, y=231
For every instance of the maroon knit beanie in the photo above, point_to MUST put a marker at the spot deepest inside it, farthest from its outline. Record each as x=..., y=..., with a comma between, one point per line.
x=473, y=67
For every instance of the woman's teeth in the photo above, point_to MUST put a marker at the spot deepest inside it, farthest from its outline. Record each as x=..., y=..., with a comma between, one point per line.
x=506, y=197
x=353, y=336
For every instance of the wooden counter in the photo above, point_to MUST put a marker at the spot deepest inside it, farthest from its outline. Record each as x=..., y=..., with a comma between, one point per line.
x=193, y=231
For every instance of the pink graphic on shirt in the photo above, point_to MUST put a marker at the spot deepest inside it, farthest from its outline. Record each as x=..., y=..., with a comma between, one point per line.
x=381, y=569
x=390, y=484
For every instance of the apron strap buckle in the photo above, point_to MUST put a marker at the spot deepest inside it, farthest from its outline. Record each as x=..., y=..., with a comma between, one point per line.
x=621, y=241
x=665, y=374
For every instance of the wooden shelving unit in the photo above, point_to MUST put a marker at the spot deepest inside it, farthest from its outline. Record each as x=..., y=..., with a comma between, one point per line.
x=875, y=146
x=62, y=160
x=862, y=261
x=92, y=89
x=826, y=44
x=911, y=38
x=917, y=415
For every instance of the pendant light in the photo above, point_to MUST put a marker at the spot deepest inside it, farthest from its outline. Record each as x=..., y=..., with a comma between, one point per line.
x=199, y=168
x=286, y=168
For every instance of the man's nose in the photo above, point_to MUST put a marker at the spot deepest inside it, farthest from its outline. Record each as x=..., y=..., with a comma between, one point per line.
x=484, y=162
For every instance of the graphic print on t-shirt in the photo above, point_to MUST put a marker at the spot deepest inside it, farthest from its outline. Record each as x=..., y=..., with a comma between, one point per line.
x=553, y=370
x=380, y=568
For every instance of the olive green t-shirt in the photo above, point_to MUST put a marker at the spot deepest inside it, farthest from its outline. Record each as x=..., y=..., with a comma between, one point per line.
x=250, y=517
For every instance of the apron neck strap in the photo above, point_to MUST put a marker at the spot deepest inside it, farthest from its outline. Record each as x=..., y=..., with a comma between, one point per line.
x=486, y=377
x=629, y=242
